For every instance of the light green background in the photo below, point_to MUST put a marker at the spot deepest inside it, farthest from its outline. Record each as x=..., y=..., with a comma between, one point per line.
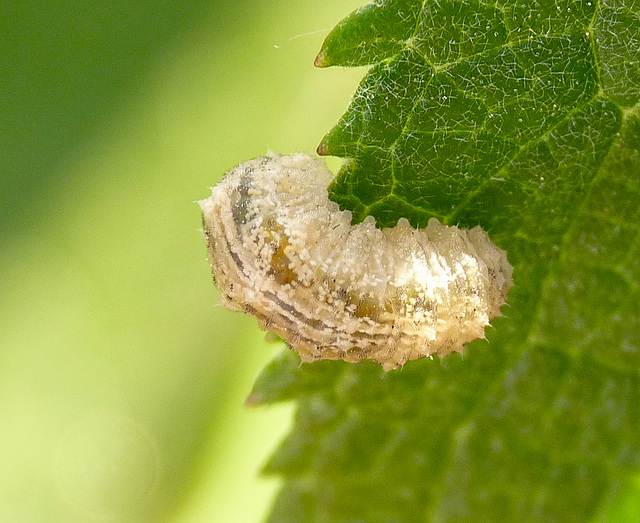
x=121, y=381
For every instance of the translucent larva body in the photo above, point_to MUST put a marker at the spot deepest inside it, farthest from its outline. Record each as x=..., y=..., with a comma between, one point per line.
x=281, y=251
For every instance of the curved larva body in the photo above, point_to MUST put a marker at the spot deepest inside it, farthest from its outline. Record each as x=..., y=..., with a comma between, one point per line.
x=283, y=252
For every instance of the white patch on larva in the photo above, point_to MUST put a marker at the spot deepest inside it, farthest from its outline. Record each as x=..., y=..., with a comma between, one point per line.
x=281, y=251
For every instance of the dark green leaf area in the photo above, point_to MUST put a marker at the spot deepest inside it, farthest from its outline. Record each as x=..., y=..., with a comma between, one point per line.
x=284, y=379
x=363, y=179
x=381, y=106
x=590, y=298
x=450, y=30
x=617, y=32
x=456, y=130
x=372, y=33
x=341, y=457
x=529, y=87
x=495, y=478
x=544, y=17
x=533, y=199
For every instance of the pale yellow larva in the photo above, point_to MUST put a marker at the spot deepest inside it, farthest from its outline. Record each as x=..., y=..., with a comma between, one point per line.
x=281, y=251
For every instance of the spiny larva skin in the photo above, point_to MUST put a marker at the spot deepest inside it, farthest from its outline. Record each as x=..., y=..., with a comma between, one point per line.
x=281, y=251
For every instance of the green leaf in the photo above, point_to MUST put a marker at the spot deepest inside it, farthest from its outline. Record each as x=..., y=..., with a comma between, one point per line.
x=524, y=118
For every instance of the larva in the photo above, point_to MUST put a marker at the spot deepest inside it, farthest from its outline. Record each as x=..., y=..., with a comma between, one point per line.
x=281, y=251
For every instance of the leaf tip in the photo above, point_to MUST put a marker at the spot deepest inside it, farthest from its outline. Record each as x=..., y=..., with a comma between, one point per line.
x=323, y=148
x=321, y=59
x=253, y=400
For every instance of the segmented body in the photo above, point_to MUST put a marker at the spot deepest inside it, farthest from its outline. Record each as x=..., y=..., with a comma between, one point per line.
x=281, y=251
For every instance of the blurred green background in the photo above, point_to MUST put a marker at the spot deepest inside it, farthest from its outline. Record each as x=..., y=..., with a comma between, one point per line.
x=121, y=381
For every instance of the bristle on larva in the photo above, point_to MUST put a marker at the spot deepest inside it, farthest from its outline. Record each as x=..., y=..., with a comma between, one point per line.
x=281, y=251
